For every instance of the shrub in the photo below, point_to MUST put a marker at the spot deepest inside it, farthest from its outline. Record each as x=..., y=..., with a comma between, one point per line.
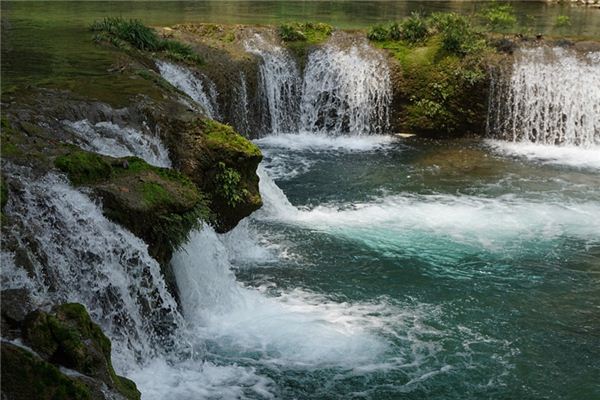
x=291, y=33
x=378, y=33
x=414, y=28
x=562, y=21
x=131, y=31
x=121, y=33
x=457, y=33
x=499, y=16
x=312, y=32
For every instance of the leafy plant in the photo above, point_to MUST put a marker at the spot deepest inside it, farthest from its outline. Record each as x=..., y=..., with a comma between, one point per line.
x=123, y=33
x=227, y=181
x=378, y=33
x=304, y=31
x=562, y=21
x=499, y=16
x=414, y=28
x=458, y=34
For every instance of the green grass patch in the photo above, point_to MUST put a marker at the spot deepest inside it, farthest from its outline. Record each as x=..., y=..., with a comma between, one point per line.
x=310, y=32
x=125, y=33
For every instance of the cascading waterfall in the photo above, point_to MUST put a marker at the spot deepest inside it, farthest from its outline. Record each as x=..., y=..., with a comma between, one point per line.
x=240, y=106
x=550, y=96
x=116, y=141
x=280, y=84
x=202, y=90
x=80, y=256
x=346, y=90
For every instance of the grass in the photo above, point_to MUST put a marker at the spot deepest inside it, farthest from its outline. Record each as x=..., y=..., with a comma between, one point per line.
x=124, y=33
x=311, y=32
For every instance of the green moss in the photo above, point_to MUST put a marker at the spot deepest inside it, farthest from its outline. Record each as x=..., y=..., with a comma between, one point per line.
x=68, y=337
x=84, y=167
x=224, y=137
x=310, y=32
x=300, y=36
x=24, y=376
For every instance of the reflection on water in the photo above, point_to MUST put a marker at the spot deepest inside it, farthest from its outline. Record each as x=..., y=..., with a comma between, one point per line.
x=43, y=39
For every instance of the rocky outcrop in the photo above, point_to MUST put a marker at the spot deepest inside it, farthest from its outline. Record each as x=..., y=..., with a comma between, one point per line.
x=64, y=356
x=222, y=164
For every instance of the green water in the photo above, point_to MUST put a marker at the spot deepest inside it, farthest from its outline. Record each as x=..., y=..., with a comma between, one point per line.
x=47, y=43
x=478, y=272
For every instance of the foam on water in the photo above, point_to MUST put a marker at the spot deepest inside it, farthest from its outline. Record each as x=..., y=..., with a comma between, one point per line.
x=322, y=142
x=400, y=222
x=580, y=157
x=116, y=141
x=200, y=88
x=242, y=320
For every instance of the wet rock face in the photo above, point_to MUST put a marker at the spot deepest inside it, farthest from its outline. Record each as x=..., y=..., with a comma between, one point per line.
x=222, y=164
x=65, y=337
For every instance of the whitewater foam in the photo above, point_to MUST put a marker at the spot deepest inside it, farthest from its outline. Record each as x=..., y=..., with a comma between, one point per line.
x=305, y=141
x=116, y=141
x=200, y=88
x=574, y=156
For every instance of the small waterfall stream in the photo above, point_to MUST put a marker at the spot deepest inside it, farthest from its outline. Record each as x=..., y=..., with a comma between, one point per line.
x=549, y=96
x=280, y=84
x=202, y=91
x=344, y=89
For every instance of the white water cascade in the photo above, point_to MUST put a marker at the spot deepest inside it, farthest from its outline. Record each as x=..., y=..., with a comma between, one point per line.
x=201, y=89
x=346, y=90
x=116, y=141
x=280, y=84
x=550, y=96
x=77, y=255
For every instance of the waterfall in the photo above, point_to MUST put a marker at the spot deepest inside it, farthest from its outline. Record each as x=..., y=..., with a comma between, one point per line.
x=79, y=256
x=240, y=106
x=280, y=83
x=202, y=90
x=550, y=96
x=346, y=90
x=116, y=141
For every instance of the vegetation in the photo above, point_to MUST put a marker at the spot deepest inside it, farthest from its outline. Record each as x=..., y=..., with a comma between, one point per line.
x=224, y=138
x=124, y=33
x=227, y=182
x=443, y=70
x=562, y=21
x=499, y=16
x=161, y=205
x=68, y=336
x=305, y=31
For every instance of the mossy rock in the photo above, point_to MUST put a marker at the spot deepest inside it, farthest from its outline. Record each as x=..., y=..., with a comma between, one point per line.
x=159, y=205
x=68, y=337
x=25, y=377
x=223, y=164
x=438, y=93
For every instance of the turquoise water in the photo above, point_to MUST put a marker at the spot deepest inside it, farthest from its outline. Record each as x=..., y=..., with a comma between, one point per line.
x=425, y=269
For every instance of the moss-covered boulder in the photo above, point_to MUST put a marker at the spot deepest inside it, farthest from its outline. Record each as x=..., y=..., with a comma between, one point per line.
x=223, y=164
x=68, y=337
x=26, y=377
x=159, y=205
